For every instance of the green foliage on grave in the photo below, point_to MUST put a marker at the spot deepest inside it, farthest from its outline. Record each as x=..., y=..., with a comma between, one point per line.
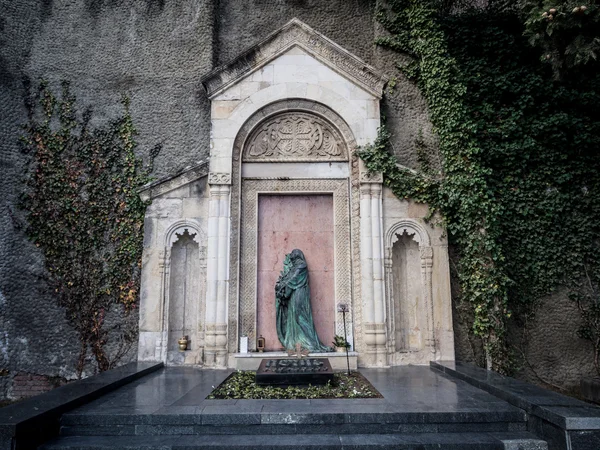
x=519, y=190
x=84, y=214
x=242, y=385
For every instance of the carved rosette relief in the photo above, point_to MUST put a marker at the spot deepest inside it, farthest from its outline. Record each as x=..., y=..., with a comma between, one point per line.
x=295, y=136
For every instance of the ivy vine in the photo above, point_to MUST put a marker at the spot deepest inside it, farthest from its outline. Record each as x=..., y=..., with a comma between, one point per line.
x=565, y=30
x=84, y=214
x=520, y=188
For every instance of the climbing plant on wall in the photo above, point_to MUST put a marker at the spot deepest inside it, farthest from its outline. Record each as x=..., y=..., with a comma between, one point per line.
x=520, y=187
x=565, y=30
x=84, y=214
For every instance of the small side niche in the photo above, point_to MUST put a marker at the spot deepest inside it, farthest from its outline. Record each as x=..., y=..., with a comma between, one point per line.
x=184, y=296
x=408, y=306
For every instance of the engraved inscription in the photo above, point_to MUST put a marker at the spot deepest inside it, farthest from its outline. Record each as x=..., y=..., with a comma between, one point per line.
x=295, y=366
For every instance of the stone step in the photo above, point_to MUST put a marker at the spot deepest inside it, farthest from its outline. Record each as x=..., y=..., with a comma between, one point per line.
x=292, y=423
x=420, y=441
x=279, y=429
x=507, y=415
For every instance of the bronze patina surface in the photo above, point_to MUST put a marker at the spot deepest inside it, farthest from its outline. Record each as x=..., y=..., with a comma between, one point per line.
x=295, y=323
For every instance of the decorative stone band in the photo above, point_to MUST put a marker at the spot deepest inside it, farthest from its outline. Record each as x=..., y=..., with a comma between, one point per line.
x=426, y=254
x=296, y=33
x=371, y=177
x=172, y=182
x=219, y=178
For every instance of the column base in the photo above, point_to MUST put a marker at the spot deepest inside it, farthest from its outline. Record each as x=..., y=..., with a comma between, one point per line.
x=376, y=340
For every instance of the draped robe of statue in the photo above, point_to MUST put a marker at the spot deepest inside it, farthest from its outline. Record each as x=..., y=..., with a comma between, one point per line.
x=294, y=315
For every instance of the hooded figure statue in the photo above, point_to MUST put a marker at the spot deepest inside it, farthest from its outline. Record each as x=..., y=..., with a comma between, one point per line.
x=294, y=315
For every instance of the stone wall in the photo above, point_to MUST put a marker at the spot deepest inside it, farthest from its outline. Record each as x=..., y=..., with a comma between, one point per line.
x=152, y=51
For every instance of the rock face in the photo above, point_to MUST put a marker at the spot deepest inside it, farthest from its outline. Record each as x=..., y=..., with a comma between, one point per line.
x=155, y=52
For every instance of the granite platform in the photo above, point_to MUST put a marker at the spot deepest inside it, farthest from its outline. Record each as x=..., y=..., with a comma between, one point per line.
x=421, y=409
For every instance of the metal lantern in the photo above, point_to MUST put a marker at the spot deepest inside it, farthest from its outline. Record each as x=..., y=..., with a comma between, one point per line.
x=182, y=343
x=260, y=344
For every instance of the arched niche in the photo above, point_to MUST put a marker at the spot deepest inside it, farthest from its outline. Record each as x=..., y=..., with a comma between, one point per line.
x=408, y=270
x=183, y=273
x=245, y=192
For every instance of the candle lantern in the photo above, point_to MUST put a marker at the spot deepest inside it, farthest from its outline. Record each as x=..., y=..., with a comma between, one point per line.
x=182, y=343
x=260, y=344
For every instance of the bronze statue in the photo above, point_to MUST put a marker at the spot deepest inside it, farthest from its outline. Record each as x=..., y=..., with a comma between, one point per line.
x=294, y=315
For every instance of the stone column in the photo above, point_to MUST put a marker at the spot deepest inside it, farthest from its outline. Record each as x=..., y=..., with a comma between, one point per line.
x=165, y=277
x=217, y=277
x=426, y=271
x=373, y=287
x=389, y=302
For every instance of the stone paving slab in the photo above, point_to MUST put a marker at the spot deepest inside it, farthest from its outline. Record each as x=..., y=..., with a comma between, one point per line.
x=406, y=390
x=422, y=408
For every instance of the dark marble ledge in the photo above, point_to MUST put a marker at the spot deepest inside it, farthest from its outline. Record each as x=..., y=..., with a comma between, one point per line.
x=42, y=412
x=565, y=412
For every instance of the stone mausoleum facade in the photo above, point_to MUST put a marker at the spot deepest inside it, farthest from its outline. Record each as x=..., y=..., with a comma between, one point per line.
x=285, y=118
x=257, y=118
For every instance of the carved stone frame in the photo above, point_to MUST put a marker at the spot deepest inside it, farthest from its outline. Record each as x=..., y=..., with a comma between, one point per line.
x=416, y=231
x=251, y=189
x=346, y=292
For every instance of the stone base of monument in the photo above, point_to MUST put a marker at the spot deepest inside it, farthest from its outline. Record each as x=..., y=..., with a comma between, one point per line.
x=251, y=361
x=294, y=371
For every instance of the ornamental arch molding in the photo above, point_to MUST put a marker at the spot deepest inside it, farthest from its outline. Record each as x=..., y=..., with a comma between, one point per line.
x=418, y=234
x=411, y=227
x=320, y=123
x=179, y=227
x=286, y=108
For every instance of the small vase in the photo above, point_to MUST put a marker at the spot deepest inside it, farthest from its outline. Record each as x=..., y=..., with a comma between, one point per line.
x=183, y=342
x=340, y=349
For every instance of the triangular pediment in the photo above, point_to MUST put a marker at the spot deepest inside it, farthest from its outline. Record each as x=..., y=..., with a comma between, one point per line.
x=175, y=181
x=296, y=33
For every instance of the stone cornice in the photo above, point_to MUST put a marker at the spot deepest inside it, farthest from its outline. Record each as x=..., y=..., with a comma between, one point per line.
x=171, y=182
x=296, y=33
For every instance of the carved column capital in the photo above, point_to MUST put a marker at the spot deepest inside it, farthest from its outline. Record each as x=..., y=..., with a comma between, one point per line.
x=365, y=190
x=371, y=177
x=426, y=256
x=219, y=178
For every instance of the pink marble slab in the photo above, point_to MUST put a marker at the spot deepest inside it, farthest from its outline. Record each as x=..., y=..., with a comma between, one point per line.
x=286, y=222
